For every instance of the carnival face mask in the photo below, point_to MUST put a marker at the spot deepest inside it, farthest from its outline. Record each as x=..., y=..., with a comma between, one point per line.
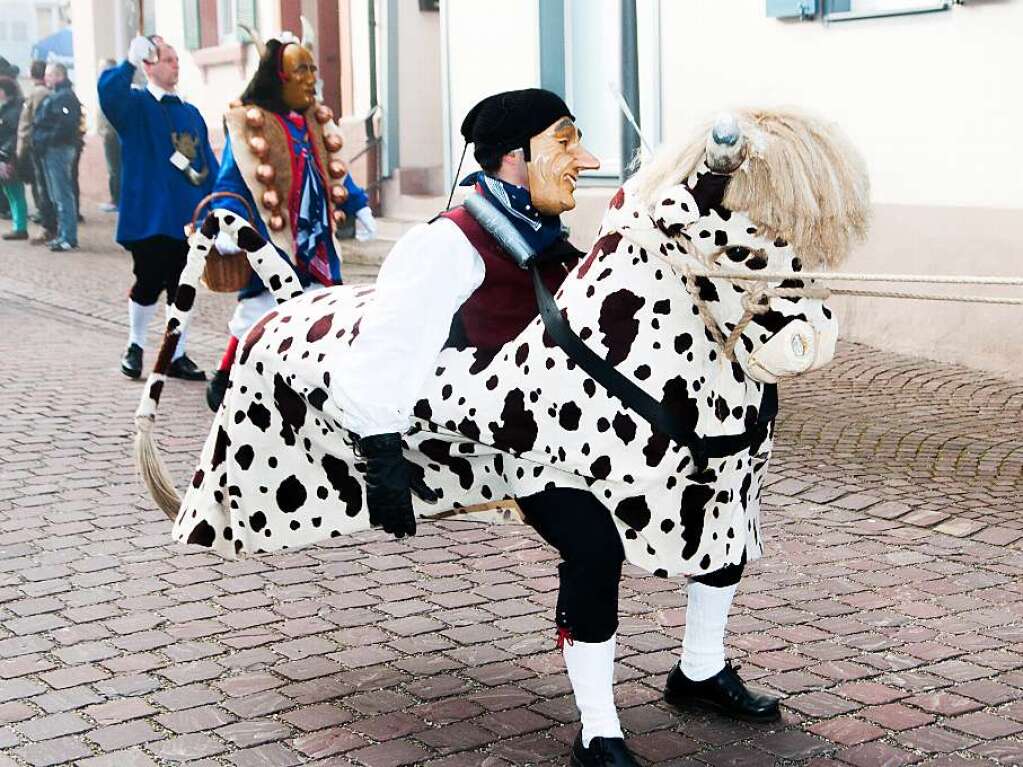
x=557, y=156
x=299, y=75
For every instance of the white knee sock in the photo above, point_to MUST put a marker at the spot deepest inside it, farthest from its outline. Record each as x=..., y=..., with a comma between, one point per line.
x=703, y=647
x=139, y=317
x=591, y=671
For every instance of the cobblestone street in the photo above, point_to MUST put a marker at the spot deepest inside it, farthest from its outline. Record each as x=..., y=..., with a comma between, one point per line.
x=888, y=608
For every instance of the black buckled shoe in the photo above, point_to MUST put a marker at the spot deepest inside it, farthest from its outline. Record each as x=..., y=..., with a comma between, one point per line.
x=185, y=369
x=724, y=693
x=217, y=388
x=602, y=752
x=131, y=362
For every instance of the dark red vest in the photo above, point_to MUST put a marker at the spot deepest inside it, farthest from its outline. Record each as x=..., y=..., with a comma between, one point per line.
x=505, y=303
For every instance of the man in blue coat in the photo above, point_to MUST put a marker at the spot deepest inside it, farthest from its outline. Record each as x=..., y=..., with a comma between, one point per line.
x=167, y=167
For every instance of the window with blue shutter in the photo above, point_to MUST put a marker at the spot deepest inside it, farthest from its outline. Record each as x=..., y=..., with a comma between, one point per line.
x=791, y=9
x=193, y=39
x=245, y=15
x=805, y=9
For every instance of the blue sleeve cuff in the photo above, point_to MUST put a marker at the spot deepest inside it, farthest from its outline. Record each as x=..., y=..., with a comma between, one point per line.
x=357, y=197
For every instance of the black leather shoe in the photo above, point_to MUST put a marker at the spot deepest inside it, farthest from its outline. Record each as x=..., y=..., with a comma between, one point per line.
x=724, y=693
x=185, y=369
x=217, y=388
x=602, y=752
x=131, y=362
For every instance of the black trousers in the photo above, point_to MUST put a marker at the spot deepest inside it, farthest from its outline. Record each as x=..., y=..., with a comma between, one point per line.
x=157, y=263
x=580, y=527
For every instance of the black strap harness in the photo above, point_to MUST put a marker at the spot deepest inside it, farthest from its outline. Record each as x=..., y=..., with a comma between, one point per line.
x=617, y=385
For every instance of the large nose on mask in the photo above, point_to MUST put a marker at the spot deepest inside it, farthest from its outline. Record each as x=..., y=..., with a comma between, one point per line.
x=585, y=160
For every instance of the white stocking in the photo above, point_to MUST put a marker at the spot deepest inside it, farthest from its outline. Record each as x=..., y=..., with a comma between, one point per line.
x=139, y=317
x=591, y=671
x=703, y=647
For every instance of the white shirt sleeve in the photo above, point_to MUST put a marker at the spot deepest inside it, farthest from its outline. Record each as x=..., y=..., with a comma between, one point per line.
x=424, y=280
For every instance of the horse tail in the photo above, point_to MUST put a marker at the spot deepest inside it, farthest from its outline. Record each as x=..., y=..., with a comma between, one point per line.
x=153, y=471
x=272, y=269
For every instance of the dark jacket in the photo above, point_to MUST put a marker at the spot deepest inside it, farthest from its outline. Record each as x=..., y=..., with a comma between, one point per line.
x=57, y=120
x=9, y=114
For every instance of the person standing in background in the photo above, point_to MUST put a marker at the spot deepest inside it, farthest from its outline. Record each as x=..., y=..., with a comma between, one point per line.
x=30, y=162
x=111, y=150
x=56, y=136
x=10, y=179
x=168, y=167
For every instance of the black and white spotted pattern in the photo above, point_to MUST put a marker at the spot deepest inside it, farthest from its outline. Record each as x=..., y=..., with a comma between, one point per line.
x=278, y=472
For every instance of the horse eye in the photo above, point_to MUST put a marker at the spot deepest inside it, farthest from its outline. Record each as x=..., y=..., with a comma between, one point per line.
x=737, y=253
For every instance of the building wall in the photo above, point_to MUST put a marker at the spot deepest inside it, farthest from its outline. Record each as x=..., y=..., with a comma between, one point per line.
x=19, y=30
x=932, y=102
x=420, y=99
x=489, y=46
x=101, y=30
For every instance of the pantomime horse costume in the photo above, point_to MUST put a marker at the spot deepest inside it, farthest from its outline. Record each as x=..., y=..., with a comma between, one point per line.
x=679, y=490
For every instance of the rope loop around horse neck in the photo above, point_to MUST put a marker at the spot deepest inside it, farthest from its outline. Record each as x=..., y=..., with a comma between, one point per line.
x=756, y=299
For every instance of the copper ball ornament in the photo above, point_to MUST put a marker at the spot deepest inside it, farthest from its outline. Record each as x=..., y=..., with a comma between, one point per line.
x=259, y=146
x=276, y=222
x=265, y=173
x=333, y=142
x=338, y=194
x=324, y=114
x=271, y=199
x=254, y=118
x=336, y=169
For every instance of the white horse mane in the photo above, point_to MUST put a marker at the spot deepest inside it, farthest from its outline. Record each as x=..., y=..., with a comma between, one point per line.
x=802, y=181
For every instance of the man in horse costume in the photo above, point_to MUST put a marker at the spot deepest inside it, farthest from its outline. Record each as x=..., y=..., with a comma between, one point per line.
x=277, y=151
x=353, y=408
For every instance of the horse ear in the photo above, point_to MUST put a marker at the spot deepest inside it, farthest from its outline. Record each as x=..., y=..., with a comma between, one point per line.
x=726, y=145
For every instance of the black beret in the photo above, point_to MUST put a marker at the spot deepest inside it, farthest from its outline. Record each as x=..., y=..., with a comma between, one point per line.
x=507, y=121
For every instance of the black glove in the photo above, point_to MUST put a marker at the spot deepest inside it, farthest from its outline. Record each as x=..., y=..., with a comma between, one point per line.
x=390, y=482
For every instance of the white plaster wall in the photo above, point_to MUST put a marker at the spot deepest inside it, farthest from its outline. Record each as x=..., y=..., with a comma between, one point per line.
x=491, y=46
x=359, y=25
x=419, y=83
x=100, y=30
x=932, y=100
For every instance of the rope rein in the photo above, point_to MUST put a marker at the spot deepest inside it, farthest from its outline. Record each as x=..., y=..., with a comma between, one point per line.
x=937, y=279
x=756, y=298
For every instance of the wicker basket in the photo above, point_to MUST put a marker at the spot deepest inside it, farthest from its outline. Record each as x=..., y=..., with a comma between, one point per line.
x=224, y=273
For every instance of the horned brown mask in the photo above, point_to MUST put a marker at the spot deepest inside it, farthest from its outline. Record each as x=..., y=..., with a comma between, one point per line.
x=299, y=87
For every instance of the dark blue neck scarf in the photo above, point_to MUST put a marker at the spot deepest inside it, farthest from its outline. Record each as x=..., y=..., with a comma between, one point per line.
x=539, y=231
